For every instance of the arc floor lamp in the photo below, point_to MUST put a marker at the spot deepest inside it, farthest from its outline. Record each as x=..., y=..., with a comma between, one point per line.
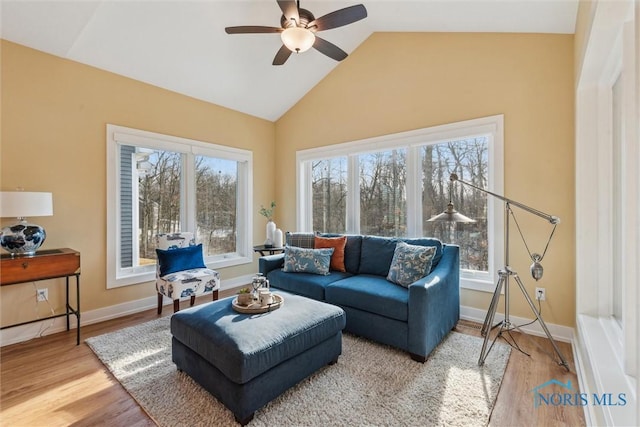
x=506, y=273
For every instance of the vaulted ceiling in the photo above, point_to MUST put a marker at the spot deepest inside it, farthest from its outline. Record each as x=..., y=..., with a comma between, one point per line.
x=182, y=45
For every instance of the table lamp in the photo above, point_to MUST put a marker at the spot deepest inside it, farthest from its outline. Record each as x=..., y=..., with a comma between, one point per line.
x=23, y=238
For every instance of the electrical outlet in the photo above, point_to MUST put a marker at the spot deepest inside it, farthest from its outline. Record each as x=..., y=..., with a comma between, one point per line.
x=541, y=294
x=43, y=294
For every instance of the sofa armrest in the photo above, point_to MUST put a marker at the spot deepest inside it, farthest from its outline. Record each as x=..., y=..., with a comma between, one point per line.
x=434, y=304
x=268, y=263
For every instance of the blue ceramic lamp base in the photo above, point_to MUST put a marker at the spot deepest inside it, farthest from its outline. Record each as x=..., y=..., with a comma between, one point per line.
x=22, y=238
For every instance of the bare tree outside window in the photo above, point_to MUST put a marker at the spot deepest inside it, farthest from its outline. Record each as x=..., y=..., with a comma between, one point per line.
x=383, y=204
x=329, y=188
x=216, y=201
x=469, y=159
x=159, y=186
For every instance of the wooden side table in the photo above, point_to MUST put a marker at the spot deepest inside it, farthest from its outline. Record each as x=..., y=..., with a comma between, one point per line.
x=47, y=264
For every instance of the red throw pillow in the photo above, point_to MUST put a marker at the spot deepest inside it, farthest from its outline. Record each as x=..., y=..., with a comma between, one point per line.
x=338, y=244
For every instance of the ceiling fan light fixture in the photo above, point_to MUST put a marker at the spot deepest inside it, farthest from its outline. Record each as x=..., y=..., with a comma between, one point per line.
x=298, y=39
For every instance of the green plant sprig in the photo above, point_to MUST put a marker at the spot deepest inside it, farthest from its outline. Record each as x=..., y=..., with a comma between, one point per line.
x=267, y=213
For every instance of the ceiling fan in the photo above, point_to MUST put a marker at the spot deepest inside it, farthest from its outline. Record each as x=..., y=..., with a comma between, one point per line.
x=298, y=28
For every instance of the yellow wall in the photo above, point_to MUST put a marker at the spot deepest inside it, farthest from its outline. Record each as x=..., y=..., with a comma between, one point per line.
x=54, y=116
x=392, y=83
x=396, y=82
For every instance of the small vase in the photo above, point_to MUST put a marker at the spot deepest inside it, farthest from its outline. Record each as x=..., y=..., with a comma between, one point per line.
x=278, y=238
x=271, y=229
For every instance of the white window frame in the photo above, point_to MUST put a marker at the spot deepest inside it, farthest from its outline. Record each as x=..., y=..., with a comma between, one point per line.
x=607, y=353
x=492, y=127
x=119, y=135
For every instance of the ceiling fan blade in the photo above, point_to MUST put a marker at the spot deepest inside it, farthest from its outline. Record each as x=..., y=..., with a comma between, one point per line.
x=329, y=49
x=282, y=56
x=289, y=9
x=252, y=29
x=339, y=18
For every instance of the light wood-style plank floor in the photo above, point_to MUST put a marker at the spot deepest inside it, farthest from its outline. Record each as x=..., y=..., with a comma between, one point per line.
x=50, y=381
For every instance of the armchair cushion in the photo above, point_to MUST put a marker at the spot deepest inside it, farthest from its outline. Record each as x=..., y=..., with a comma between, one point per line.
x=180, y=259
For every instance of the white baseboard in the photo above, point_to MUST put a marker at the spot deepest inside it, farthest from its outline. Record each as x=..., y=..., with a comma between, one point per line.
x=558, y=332
x=52, y=326
x=27, y=332
x=600, y=372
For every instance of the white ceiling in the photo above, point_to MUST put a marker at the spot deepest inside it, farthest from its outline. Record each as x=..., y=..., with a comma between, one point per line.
x=182, y=46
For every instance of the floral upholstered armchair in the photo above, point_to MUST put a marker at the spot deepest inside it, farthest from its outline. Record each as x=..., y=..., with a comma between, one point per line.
x=181, y=271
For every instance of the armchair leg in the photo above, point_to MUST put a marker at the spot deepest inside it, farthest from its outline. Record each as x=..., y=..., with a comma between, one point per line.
x=159, y=303
x=215, y=295
x=176, y=305
x=193, y=300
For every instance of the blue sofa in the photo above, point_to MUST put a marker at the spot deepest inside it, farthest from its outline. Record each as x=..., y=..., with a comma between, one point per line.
x=414, y=319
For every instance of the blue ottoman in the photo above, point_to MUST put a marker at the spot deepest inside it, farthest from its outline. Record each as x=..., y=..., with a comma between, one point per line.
x=247, y=360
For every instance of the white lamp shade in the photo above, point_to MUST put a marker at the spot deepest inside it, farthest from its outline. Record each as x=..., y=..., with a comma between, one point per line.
x=298, y=39
x=23, y=204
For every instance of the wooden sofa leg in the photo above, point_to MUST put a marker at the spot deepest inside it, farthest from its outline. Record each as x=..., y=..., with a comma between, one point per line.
x=215, y=295
x=159, y=303
x=193, y=300
x=176, y=305
x=418, y=358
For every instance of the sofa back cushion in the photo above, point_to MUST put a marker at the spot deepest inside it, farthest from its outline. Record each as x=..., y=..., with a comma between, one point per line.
x=351, y=251
x=376, y=255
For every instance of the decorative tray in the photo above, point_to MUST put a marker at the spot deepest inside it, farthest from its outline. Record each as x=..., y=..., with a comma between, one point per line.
x=256, y=308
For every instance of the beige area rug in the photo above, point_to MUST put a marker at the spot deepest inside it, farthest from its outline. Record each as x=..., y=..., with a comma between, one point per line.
x=371, y=384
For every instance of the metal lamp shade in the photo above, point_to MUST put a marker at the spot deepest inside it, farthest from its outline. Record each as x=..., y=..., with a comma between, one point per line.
x=451, y=215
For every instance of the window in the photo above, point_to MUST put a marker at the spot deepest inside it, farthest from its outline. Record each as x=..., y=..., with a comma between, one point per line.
x=329, y=189
x=469, y=159
x=392, y=185
x=617, y=199
x=383, y=203
x=163, y=184
x=607, y=210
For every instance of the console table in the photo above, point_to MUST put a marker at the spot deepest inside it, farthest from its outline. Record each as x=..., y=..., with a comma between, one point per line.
x=47, y=264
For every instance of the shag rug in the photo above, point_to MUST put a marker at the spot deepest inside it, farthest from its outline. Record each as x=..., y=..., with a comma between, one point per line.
x=371, y=384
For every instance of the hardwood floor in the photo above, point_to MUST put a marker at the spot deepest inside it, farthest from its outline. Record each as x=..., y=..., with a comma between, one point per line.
x=50, y=381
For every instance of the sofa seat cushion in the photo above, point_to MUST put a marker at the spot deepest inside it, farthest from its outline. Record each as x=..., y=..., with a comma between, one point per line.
x=370, y=293
x=305, y=284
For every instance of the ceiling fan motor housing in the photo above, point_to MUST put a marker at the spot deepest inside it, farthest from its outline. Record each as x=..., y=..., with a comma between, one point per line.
x=305, y=18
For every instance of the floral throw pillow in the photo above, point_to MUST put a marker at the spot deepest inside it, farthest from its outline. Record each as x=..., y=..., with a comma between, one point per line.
x=303, y=260
x=410, y=263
